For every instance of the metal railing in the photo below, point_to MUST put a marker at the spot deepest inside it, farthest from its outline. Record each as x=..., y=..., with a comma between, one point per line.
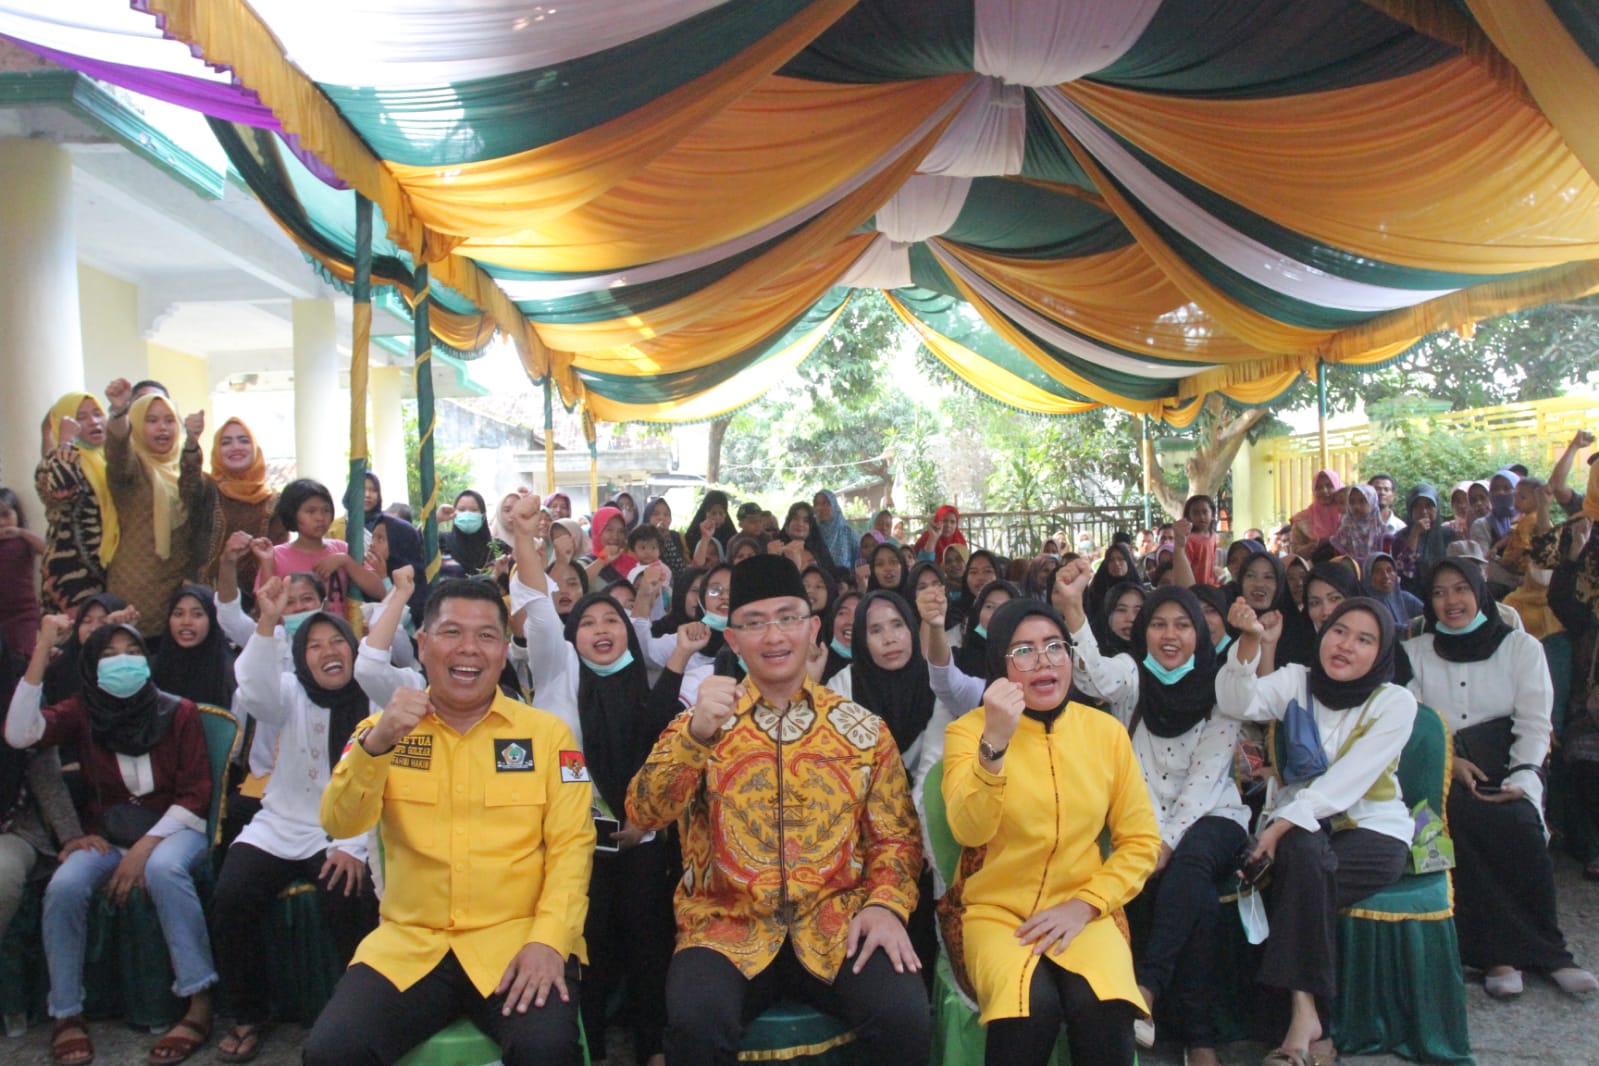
x=1021, y=534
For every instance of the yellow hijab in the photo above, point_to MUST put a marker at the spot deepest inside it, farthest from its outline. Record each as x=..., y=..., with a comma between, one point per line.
x=167, y=511
x=248, y=487
x=91, y=460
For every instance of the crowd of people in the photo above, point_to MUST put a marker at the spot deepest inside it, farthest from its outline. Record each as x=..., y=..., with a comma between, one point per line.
x=726, y=794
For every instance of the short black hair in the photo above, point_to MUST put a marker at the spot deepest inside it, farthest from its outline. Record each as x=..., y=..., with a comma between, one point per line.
x=1519, y=469
x=9, y=499
x=1381, y=477
x=401, y=511
x=641, y=533
x=1121, y=536
x=464, y=588
x=309, y=577
x=294, y=496
x=149, y=383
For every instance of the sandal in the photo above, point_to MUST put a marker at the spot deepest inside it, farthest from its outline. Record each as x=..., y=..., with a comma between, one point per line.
x=247, y=1042
x=73, y=1050
x=175, y=1046
x=1286, y=1056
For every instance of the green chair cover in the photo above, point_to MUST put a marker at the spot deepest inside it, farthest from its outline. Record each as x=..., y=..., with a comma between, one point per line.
x=463, y=1044
x=24, y=977
x=1557, y=652
x=794, y=1032
x=303, y=964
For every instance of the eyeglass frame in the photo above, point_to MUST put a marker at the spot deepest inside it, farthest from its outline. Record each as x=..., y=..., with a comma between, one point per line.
x=1063, y=643
x=786, y=624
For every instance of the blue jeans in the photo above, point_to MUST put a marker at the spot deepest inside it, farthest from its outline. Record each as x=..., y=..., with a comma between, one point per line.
x=169, y=880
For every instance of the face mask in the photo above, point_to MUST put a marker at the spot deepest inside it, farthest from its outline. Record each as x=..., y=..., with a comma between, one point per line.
x=123, y=675
x=980, y=630
x=717, y=622
x=622, y=662
x=293, y=622
x=1165, y=676
x=1470, y=627
x=1225, y=640
x=468, y=522
x=842, y=649
x=1252, y=913
x=1503, y=504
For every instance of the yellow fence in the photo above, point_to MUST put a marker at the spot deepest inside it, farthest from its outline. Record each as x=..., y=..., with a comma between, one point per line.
x=1538, y=428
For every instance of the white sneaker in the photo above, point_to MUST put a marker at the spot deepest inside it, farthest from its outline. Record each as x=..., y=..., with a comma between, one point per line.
x=1144, y=1032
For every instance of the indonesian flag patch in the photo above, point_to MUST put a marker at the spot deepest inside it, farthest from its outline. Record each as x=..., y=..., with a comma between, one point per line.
x=574, y=771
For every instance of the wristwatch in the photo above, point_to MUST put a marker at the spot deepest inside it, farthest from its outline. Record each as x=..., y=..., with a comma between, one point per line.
x=989, y=752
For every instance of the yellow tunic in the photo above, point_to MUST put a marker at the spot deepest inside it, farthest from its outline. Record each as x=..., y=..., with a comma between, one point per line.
x=487, y=836
x=1030, y=840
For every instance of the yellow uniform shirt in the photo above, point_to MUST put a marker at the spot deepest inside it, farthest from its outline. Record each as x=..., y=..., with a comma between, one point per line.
x=487, y=837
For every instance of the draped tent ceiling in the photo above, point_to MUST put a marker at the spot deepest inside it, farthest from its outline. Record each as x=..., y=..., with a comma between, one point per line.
x=667, y=203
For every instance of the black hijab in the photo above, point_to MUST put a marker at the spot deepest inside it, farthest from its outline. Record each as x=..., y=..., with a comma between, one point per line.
x=610, y=709
x=903, y=698
x=405, y=549
x=872, y=584
x=1281, y=601
x=908, y=592
x=203, y=673
x=677, y=613
x=582, y=580
x=63, y=678
x=471, y=551
x=1109, y=643
x=1104, y=581
x=1214, y=597
x=718, y=639
x=346, y=706
x=127, y=726
x=966, y=599
x=724, y=532
x=971, y=658
x=369, y=518
x=1342, y=695
x=835, y=661
x=1002, y=628
x=831, y=584
x=1034, y=584
x=1481, y=643
x=1300, y=638
x=1172, y=710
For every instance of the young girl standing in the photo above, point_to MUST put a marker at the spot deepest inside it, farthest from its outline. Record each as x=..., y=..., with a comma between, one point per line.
x=306, y=507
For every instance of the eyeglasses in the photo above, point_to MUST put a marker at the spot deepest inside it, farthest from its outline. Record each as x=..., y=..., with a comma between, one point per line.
x=786, y=623
x=716, y=590
x=1026, y=657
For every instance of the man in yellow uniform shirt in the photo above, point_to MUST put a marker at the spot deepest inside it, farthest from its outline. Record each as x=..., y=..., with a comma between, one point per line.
x=482, y=804
x=800, y=845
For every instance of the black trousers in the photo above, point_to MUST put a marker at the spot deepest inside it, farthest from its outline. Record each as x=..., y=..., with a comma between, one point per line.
x=629, y=934
x=1504, y=886
x=250, y=880
x=709, y=1003
x=369, y=1021
x=1314, y=875
x=1181, y=954
x=1098, y=1032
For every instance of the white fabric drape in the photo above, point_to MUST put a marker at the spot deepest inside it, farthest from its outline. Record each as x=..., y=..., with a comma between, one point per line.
x=885, y=264
x=395, y=44
x=1065, y=340
x=925, y=206
x=1245, y=255
x=987, y=138
x=1047, y=42
x=106, y=30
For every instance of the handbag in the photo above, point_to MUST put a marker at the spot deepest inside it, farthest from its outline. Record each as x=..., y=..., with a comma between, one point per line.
x=1304, y=756
x=1487, y=746
x=126, y=823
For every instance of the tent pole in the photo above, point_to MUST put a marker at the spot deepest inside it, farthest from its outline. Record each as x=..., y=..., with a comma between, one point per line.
x=549, y=435
x=427, y=422
x=1321, y=409
x=360, y=357
x=1144, y=456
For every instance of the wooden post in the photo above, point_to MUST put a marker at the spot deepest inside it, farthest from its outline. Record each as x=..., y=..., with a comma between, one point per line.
x=427, y=422
x=549, y=434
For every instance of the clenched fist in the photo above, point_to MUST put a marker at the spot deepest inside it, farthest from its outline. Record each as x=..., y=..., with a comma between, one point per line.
x=715, y=706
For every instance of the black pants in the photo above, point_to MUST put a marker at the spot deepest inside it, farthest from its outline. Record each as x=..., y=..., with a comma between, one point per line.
x=369, y=1021
x=1098, y=1032
x=1504, y=886
x=629, y=934
x=250, y=880
x=1313, y=875
x=1181, y=953
x=709, y=1003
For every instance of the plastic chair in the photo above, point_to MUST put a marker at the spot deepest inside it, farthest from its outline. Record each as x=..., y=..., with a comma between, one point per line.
x=302, y=961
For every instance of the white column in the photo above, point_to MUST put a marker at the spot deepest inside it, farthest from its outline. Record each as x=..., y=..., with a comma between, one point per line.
x=387, y=433
x=321, y=424
x=41, y=343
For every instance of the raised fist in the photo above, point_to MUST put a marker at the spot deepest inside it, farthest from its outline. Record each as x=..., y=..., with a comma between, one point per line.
x=714, y=707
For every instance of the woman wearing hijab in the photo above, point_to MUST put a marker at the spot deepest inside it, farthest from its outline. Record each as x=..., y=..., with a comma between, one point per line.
x=61, y=677
x=712, y=520
x=193, y=660
x=1329, y=584
x=1338, y=829
x=888, y=570
x=591, y=673
x=971, y=657
x=1113, y=630
x=1382, y=585
x=821, y=589
x=1312, y=528
x=149, y=791
x=944, y=531
x=799, y=526
x=244, y=501
x=923, y=576
x=843, y=545
x=1164, y=691
x=608, y=559
x=1362, y=532
x=1491, y=683
x=153, y=467
x=1030, y=920
x=888, y=676
x=1425, y=539
x=625, y=503
x=312, y=711
x=1491, y=530
x=982, y=568
x=841, y=630
x=468, y=541
x=81, y=526
x=1040, y=578
x=705, y=600
x=395, y=543
x=1117, y=567
x=674, y=552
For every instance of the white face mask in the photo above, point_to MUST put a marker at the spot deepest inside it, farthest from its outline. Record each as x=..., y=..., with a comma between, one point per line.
x=1252, y=912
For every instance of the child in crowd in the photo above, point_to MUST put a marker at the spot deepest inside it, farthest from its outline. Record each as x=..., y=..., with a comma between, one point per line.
x=306, y=507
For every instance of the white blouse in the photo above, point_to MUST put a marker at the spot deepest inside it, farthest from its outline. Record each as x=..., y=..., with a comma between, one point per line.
x=928, y=748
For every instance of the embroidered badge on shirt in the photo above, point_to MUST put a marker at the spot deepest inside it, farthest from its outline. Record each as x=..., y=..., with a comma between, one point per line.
x=513, y=755
x=414, y=752
x=574, y=771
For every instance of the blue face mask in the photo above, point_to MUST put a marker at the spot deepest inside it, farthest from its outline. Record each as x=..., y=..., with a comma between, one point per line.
x=1470, y=627
x=717, y=622
x=122, y=675
x=468, y=522
x=1227, y=638
x=980, y=630
x=293, y=622
x=842, y=649
x=622, y=662
x=1165, y=676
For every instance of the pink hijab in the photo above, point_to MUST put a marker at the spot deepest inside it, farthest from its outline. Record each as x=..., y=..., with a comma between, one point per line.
x=1325, y=518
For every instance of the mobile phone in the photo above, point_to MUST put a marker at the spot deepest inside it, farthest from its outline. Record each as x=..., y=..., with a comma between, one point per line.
x=603, y=828
x=1485, y=789
x=1255, y=870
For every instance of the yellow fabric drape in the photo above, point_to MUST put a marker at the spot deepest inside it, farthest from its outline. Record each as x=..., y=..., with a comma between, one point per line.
x=783, y=146
x=1443, y=21
x=740, y=390
x=1437, y=170
x=91, y=460
x=1119, y=297
x=166, y=504
x=499, y=196
x=1562, y=78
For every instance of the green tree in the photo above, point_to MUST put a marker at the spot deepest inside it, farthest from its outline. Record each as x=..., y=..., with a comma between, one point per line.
x=1413, y=452
x=452, y=472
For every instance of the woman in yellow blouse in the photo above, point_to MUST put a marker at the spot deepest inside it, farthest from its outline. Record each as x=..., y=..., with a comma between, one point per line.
x=1030, y=781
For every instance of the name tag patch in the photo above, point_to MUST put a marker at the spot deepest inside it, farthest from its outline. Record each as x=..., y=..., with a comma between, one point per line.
x=414, y=752
x=513, y=756
x=574, y=771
